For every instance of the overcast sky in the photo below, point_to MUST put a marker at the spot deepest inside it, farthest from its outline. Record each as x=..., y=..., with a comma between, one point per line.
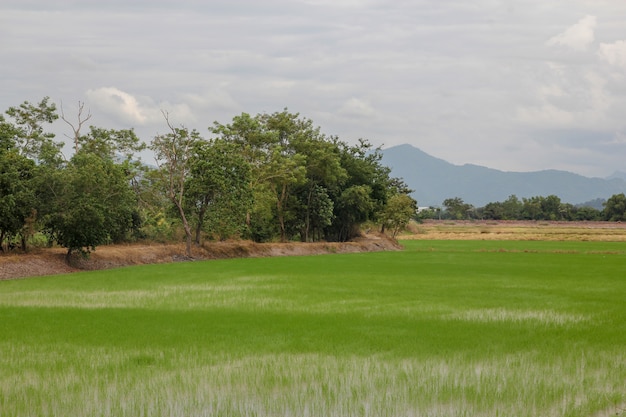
x=517, y=85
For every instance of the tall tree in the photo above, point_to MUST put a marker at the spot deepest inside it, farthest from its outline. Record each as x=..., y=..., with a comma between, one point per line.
x=173, y=156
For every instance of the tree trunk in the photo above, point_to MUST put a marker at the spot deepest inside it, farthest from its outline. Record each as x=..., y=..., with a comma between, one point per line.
x=68, y=256
x=188, y=234
x=281, y=216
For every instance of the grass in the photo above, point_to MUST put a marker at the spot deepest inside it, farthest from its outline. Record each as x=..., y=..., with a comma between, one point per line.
x=442, y=328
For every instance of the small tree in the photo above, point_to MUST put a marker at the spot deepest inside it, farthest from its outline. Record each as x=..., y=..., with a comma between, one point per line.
x=93, y=203
x=615, y=208
x=398, y=211
x=457, y=209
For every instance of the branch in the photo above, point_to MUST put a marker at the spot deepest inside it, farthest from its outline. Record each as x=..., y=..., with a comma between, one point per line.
x=81, y=121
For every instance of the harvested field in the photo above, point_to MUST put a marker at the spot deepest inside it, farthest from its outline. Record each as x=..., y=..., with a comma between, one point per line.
x=516, y=230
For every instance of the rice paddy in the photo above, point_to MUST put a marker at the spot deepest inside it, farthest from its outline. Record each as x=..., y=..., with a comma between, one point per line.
x=443, y=328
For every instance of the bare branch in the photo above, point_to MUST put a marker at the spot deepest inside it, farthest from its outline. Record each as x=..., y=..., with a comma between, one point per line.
x=81, y=121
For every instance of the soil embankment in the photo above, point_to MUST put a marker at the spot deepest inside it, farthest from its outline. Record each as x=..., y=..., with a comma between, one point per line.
x=51, y=261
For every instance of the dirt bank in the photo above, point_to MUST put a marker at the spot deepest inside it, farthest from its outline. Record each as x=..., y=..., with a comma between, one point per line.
x=39, y=262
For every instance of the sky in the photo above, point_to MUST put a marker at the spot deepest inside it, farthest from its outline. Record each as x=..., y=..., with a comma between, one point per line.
x=516, y=85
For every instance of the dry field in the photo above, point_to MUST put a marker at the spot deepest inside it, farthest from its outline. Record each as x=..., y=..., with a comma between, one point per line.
x=516, y=230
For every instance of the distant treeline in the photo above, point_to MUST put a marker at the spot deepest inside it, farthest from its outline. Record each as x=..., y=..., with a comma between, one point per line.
x=533, y=208
x=267, y=177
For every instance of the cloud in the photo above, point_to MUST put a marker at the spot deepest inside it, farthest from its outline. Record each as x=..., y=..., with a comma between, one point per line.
x=126, y=108
x=354, y=107
x=117, y=103
x=578, y=37
x=614, y=53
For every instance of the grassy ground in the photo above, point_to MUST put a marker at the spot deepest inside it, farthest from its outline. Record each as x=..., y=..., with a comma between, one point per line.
x=440, y=329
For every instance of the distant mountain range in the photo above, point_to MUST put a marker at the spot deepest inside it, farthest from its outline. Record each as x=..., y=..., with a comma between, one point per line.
x=435, y=180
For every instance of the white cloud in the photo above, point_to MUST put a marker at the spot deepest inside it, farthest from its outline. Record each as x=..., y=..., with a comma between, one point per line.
x=614, y=53
x=117, y=103
x=126, y=108
x=354, y=107
x=578, y=37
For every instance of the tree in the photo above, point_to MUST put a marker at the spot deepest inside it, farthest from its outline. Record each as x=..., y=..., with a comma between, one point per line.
x=173, y=154
x=17, y=196
x=364, y=192
x=79, y=124
x=615, y=208
x=398, y=211
x=218, y=182
x=276, y=168
x=457, y=209
x=30, y=138
x=93, y=205
x=323, y=173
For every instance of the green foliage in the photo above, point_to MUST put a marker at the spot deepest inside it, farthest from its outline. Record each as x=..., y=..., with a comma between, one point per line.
x=300, y=175
x=218, y=189
x=537, y=208
x=174, y=153
x=17, y=196
x=615, y=208
x=398, y=211
x=457, y=209
x=94, y=204
x=28, y=131
x=112, y=144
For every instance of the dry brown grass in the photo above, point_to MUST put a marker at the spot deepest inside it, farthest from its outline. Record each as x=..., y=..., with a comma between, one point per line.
x=517, y=230
x=52, y=261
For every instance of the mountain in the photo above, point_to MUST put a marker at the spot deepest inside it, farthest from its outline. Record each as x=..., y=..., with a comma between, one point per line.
x=617, y=174
x=435, y=180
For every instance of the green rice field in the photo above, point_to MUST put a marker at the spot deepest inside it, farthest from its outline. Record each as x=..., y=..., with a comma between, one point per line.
x=442, y=328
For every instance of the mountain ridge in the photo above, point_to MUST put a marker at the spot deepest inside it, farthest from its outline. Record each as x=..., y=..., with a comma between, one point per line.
x=435, y=180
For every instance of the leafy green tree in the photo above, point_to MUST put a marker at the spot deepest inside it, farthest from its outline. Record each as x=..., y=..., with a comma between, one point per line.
x=551, y=207
x=532, y=208
x=276, y=168
x=323, y=173
x=457, y=209
x=17, y=198
x=363, y=194
x=119, y=145
x=93, y=205
x=30, y=138
x=354, y=207
x=398, y=211
x=615, y=208
x=173, y=154
x=218, y=188
x=587, y=213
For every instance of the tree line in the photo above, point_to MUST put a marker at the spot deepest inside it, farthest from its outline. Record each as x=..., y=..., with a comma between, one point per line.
x=269, y=177
x=533, y=208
